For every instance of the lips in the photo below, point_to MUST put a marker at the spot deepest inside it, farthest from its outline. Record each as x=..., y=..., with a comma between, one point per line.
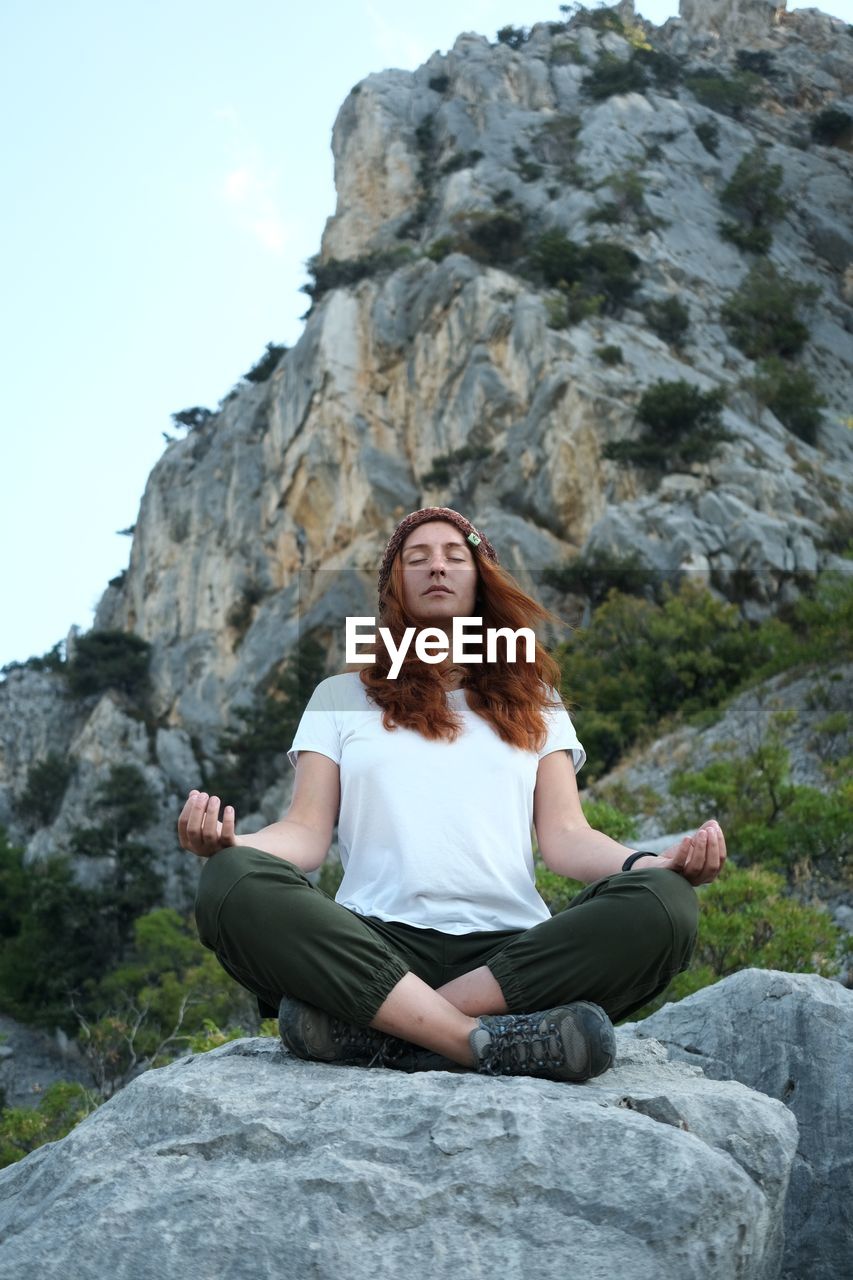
x=436, y=591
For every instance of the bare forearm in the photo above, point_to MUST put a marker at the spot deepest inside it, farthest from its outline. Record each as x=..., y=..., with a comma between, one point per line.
x=585, y=854
x=304, y=846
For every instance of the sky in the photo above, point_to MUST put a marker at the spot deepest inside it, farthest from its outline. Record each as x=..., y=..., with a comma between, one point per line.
x=168, y=172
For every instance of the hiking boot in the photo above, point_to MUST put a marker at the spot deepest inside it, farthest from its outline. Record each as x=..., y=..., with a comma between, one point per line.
x=572, y=1042
x=313, y=1034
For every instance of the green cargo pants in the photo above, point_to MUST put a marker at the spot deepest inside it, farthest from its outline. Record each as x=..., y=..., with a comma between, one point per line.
x=618, y=943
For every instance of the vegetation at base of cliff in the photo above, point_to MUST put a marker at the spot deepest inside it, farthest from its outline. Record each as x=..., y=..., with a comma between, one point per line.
x=768, y=819
x=681, y=426
x=598, y=572
x=56, y=934
x=168, y=996
x=748, y=921
x=639, y=663
x=22, y=1129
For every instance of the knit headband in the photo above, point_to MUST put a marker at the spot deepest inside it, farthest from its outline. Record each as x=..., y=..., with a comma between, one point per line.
x=477, y=541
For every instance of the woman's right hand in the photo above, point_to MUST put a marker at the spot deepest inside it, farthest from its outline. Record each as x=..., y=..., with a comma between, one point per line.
x=199, y=829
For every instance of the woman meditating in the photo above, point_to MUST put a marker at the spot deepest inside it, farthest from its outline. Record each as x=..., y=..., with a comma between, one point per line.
x=437, y=951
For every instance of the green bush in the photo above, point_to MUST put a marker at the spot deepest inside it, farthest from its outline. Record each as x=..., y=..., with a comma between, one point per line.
x=682, y=426
x=746, y=921
x=761, y=317
x=613, y=75
x=669, y=319
x=761, y=61
x=515, y=37
x=266, y=366
x=609, y=354
x=156, y=1003
x=727, y=96
x=52, y=938
x=339, y=273
x=838, y=533
x=130, y=883
x=492, y=238
x=767, y=819
x=109, y=660
x=597, y=573
x=528, y=170
x=193, y=419
x=832, y=127
x=665, y=70
x=598, y=269
x=572, y=306
x=792, y=395
x=47, y=782
x=708, y=133
x=638, y=662
x=753, y=194
x=23, y=1129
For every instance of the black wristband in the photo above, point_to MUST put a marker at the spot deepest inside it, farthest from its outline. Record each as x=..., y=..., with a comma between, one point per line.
x=632, y=858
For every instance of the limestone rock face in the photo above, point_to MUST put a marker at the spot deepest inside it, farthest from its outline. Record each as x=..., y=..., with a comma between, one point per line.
x=789, y=1035
x=244, y=1161
x=436, y=377
x=740, y=20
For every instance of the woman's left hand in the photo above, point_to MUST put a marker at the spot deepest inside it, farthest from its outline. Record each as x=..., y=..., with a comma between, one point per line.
x=699, y=858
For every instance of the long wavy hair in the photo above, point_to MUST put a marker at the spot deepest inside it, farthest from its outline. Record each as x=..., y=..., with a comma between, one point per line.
x=510, y=696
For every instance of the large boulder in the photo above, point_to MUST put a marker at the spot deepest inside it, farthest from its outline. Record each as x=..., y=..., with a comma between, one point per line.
x=790, y=1035
x=246, y=1161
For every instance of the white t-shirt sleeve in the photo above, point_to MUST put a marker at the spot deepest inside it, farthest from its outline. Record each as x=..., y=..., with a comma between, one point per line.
x=562, y=734
x=319, y=728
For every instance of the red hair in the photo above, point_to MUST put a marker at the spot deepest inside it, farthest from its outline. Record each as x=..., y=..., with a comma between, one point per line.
x=511, y=696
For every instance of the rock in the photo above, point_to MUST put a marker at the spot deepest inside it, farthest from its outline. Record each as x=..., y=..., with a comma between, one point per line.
x=737, y=20
x=230, y=1162
x=789, y=1035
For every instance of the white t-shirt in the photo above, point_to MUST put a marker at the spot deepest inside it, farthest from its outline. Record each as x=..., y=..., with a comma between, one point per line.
x=436, y=834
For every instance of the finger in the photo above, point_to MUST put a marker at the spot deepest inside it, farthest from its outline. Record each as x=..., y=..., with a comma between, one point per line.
x=184, y=817
x=228, y=819
x=195, y=820
x=696, y=860
x=676, y=859
x=210, y=822
x=716, y=851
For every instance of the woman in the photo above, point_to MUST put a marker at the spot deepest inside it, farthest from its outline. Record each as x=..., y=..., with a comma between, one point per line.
x=438, y=951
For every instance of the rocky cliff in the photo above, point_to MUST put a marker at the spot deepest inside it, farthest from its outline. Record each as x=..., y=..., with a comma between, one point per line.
x=437, y=366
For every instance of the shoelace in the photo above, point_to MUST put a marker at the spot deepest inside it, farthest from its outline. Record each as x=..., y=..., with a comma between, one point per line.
x=513, y=1042
x=362, y=1041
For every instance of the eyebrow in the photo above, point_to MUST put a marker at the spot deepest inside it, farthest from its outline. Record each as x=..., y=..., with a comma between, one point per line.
x=419, y=546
